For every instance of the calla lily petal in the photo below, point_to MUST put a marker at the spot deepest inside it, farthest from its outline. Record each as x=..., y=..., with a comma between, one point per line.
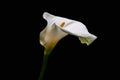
x=59, y=27
x=50, y=36
x=78, y=29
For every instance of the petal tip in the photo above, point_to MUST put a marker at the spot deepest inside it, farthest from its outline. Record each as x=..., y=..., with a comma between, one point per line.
x=88, y=40
x=47, y=15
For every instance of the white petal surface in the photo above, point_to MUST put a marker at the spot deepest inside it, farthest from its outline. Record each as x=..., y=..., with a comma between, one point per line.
x=50, y=36
x=78, y=29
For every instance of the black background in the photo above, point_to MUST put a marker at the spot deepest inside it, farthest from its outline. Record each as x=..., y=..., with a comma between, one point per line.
x=70, y=59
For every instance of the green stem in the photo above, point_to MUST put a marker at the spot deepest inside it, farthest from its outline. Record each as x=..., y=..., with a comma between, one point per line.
x=43, y=68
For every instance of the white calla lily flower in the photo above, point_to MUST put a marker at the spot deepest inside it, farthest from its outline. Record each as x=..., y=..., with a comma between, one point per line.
x=59, y=27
